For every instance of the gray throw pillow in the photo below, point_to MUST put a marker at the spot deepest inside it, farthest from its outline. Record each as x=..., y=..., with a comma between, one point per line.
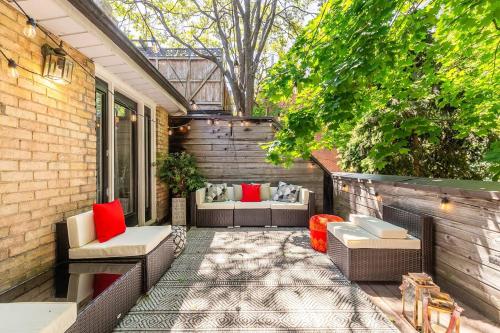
x=216, y=193
x=287, y=192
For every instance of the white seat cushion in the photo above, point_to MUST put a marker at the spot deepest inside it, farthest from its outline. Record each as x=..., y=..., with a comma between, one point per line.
x=31, y=317
x=217, y=205
x=355, y=237
x=379, y=228
x=252, y=205
x=135, y=241
x=289, y=205
x=200, y=195
x=81, y=229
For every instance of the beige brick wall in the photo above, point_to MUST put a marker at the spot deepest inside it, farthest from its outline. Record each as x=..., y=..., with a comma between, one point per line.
x=47, y=152
x=161, y=148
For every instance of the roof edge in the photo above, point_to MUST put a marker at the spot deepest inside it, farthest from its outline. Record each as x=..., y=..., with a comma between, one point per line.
x=97, y=16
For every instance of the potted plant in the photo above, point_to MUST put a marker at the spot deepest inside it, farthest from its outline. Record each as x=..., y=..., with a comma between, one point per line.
x=180, y=173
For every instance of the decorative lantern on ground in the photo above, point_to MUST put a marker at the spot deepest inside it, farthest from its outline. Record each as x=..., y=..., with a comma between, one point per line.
x=413, y=290
x=441, y=313
x=56, y=65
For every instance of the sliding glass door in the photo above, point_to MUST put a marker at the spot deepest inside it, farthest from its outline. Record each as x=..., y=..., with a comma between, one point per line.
x=101, y=105
x=125, y=165
x=147, y=163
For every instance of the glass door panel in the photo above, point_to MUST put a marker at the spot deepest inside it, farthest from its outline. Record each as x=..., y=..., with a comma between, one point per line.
x=147, y=161
x=126, y=157
x=101, y=105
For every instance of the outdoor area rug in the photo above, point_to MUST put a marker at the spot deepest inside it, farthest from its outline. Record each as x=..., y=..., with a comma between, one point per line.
x=254, y=280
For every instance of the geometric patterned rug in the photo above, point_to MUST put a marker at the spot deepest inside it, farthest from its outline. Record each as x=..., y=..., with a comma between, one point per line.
x=254, y=280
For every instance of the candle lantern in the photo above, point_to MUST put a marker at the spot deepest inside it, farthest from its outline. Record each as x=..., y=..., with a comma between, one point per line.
x=441, y=313
x=56, y=65
x=413, y=289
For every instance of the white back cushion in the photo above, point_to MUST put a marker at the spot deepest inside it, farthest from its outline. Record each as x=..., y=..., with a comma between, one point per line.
x=200, y=195
x=81, y=229
x=304, y=196
x=378, y=227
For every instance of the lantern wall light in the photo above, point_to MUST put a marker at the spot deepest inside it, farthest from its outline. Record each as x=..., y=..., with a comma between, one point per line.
x=56, y=65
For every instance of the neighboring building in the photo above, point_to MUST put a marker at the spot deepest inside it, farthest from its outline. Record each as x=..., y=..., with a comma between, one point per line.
x=198, y=79
x=65, y=146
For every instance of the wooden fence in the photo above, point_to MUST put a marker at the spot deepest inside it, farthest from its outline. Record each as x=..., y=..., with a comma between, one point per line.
x=234, y=154
x=467, y=228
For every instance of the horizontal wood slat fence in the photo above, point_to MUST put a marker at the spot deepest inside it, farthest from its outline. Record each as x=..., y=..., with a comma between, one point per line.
x=233, y=154
x=466, y=230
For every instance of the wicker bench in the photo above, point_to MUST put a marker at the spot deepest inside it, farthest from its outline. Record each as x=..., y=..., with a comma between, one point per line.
x=251, y=214
x=153, y=246
x=386, y=264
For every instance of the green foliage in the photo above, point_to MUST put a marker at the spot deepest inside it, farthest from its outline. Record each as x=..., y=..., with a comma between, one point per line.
x=180, y=173
x=396, y=86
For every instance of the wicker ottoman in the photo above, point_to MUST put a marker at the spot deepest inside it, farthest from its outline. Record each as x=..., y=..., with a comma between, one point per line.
x=317, y=228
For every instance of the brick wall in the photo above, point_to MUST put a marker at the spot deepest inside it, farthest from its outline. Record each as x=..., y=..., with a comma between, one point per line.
x=47, y=152
x=162, y=198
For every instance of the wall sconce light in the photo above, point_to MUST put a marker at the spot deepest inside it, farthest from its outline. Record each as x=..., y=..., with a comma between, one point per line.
x=445, y=202
x=56, y=65
x=133, y=117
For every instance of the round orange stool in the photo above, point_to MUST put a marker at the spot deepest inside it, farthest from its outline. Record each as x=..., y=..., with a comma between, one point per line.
x=317, y=228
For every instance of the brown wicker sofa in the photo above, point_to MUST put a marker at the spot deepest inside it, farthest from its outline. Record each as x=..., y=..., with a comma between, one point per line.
x=252, y=214
x=153, y=246
x=370, y=258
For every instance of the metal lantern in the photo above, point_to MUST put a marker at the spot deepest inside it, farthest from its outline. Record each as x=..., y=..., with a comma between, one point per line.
x=56, y=65
x=413, y=290
x=441, y=313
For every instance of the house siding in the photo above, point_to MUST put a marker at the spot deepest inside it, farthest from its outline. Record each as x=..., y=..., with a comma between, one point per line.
x=47, y=151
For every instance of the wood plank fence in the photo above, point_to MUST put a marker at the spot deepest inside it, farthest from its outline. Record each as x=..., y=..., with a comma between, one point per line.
x=467, y=229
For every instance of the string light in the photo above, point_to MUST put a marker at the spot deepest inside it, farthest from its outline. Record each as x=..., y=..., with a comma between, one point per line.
x=170, y=132
x=240, y=113
x=13, y=73
x=30, y=28
x=242, y=123
x=210, y=122
x=445, y=202
x=229, y=124
x=270, y=124
x=217, y=121
x=189, y=127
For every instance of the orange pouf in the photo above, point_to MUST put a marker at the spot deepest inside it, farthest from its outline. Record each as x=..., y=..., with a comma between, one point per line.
x=317, y=228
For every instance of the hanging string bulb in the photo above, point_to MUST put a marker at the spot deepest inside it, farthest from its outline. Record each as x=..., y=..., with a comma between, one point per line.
x=30, y=28
x=209, y=122
x=217, y=122
x=170, y=132
x=189, y=127
x=13, y=73
x=229, y=124
x=242, y=123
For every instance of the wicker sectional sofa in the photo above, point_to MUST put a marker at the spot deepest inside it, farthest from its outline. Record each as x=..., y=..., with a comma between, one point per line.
x=375, y=252
x=153, y=246
x=251, y=214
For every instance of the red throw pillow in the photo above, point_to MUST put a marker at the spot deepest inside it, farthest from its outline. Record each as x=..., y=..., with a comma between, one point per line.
x=109, y=220
x=251, y=192
x=102, y=281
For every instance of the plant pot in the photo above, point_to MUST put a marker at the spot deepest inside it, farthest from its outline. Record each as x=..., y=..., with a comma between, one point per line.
x=179, y=211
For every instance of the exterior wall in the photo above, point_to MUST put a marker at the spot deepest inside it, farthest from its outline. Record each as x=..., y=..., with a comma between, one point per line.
x=233, y=155
x=47, y=152
x=162, y=204
x=466, y=231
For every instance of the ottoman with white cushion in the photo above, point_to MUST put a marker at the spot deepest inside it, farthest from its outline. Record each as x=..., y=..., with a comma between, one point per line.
x=370, y=249
x=152, y=245
x=37, y=317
